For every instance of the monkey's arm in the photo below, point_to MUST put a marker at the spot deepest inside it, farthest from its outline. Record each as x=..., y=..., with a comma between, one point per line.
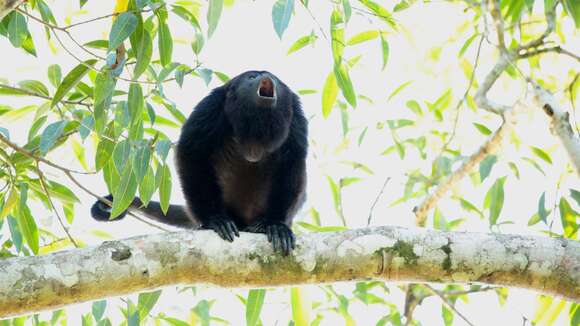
x=202, y=133
x=288, y=188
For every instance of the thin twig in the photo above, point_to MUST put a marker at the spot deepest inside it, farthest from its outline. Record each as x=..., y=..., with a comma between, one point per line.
x=556, y=49
x=498, y=22
x=448, y=304
x=30, y=93
x=58, y=217
x=464, y=98
x=315, y=20
x=377, y=200
x=38, y=158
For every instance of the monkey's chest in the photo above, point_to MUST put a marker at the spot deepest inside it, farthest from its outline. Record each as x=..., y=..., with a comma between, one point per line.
x=245, y=188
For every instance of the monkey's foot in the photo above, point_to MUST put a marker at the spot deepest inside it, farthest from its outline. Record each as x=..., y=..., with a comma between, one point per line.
x=223, y=226
x=279, y=234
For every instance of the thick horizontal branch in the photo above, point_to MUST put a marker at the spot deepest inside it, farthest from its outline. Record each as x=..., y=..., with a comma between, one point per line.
x=32, y=284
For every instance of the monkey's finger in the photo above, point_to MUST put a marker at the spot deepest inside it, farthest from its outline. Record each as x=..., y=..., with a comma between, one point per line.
x=275, y=239
x=292, y=239
x=234, y=228
x=269, y=233
x=224, y=233
x=282, y=239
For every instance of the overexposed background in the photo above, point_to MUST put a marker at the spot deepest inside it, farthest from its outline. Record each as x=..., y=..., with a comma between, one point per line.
x=245, y=40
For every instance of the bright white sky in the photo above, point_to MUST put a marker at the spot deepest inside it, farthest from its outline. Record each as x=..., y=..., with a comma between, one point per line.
x=244, y=40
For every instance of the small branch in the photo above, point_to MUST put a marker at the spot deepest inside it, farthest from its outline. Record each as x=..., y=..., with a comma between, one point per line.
x=498, y=22
x=464, y=98
x=489, y=147
x=38, y=158
x=27, y=92
x=116, y=268
x=550, y=27
x=557, y=49
x=6, y=6
x=559, y=123
x=377, y=200
x=448, y=304
x=59, y=218
x=481, y=95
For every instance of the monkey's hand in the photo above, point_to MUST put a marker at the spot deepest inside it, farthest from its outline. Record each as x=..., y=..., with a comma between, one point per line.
x=223, y=226
x=279, y=234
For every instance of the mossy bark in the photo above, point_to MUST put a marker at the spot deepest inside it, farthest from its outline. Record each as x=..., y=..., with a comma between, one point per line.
x=31, y=284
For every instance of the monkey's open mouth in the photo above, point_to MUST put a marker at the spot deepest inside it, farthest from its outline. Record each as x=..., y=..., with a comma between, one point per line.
x=267, y=88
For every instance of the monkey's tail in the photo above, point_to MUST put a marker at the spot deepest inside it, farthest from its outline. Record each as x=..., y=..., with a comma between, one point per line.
x=176, y=214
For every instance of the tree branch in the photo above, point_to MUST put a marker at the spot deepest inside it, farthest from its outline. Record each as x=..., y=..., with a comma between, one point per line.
x=559, y=123
x=6, y=6
x=31, y=284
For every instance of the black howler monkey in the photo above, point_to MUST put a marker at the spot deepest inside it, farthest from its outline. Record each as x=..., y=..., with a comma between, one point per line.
x=241, y=162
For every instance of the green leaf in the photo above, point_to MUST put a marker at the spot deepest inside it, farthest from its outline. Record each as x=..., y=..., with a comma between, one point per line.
x=466, y=45
x=10, y=203
x=575, y=195
x=541, y=154
x=135, y=101
x=162, y=148
x=254, y=305
x=34, y=86
x=363, y=37
x=482, y=129
x=50, y=135
x=147, y=186
x=98, y=309
x=15, y=233
x=281, y=13
x=165, y=43
x=568, y=217
x=141, y=162
x=124, y=193
x=26, y=223
x=71, y=80
x=54, y=75
x=347, y=9
x=575, y=314
x=143, y=53
x=337, y=36
x=202, y=311
x=468, y=206
x=542, y=212
x=98, y=44
x=17, y=29
x=399, y=89
x=146, y=302
x=121, y=154
x=329, y=93
x=123, y=27
x=345, y=84
x=494, y=200
x=572, y=8
x=385, y=51
x=164, y=176
x=104, y=89
x=380, y=12
x=302, y=42
x=486, y=165
x=300, y=307
x=213, y=15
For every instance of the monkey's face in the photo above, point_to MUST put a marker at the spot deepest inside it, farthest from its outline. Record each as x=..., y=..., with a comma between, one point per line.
x=259, y=109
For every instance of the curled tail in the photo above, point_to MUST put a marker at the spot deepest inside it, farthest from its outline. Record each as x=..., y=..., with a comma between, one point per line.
x=176, y=214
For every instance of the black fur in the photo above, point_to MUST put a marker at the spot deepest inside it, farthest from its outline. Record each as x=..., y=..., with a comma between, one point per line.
x=241, y=162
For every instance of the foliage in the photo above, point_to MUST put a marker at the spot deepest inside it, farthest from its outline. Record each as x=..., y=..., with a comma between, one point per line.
x=112, y=110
